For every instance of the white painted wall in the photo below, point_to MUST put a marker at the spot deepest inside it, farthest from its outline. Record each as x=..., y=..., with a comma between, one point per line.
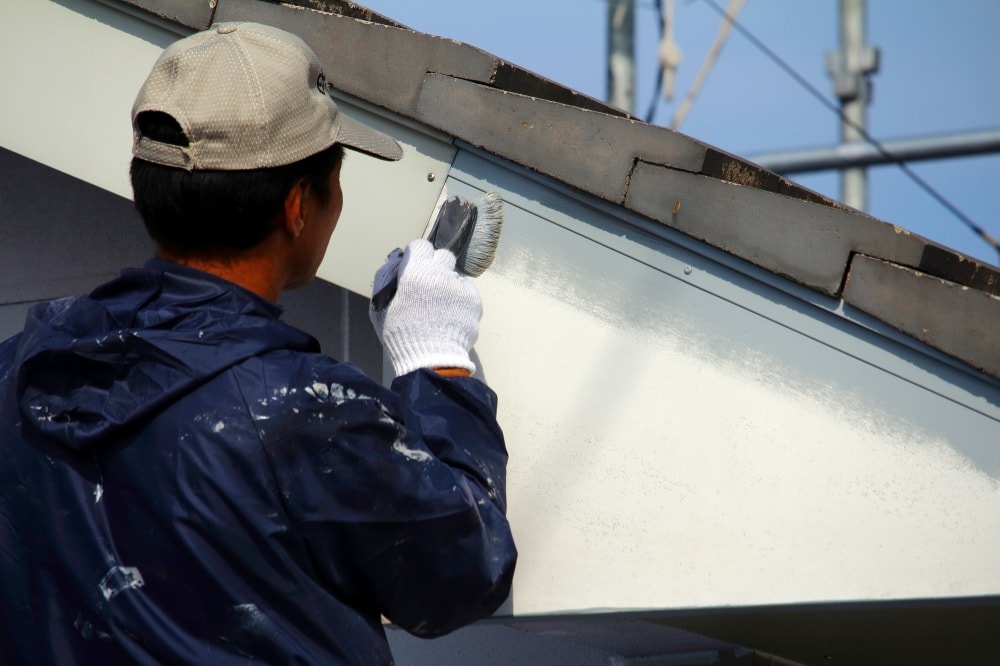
x=682, y=436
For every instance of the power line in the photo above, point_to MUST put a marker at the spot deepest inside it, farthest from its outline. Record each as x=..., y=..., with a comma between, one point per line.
x=802, y=81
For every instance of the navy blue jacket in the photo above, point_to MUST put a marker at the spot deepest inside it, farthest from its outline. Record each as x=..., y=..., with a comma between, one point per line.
x=187, y=479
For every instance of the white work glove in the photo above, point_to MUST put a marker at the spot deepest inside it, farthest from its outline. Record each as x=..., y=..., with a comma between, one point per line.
x=432, y=319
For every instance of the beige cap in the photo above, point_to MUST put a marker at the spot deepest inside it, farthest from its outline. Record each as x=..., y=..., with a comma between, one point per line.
x=247, y=96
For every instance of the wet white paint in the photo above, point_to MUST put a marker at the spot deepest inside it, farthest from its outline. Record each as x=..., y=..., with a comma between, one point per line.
x=653, y=466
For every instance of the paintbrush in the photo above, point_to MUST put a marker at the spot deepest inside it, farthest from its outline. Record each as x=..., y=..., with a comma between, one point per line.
x=470, y=230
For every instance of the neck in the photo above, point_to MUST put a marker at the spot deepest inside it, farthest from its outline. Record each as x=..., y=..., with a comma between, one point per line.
x=255, y=269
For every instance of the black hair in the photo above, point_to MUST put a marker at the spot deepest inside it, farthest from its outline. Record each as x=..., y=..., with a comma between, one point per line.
x=217, y=211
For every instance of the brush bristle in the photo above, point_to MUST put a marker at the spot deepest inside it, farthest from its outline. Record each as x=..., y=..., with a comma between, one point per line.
x=482, y=245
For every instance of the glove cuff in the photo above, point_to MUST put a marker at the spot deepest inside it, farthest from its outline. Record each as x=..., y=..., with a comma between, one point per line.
x=409, y=355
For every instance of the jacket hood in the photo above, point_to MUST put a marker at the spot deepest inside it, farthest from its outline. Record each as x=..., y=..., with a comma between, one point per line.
x=89, y=366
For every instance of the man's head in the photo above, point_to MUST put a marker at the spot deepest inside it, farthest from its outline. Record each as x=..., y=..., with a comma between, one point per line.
x=228, y=121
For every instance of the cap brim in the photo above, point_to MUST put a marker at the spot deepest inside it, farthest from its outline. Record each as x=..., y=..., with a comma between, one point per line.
x=362, y=138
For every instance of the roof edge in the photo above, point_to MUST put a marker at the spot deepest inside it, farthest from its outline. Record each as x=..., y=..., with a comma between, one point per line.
x=486, y=102
x=193, y=14
x=925, y=307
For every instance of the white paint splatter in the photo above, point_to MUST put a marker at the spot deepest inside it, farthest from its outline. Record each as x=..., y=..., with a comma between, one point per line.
x=98, y=493
x=119, y=579
x=412, y=454
x=334, y=393
x=320, y=391
x=218, y=427
x=43, y=413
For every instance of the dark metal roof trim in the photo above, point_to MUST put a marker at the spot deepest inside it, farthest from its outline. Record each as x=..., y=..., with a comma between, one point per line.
x=595, y=153
x=794, y=238
x=194, y=14
x=913, y=302
x=379, y=75
x=346, y=8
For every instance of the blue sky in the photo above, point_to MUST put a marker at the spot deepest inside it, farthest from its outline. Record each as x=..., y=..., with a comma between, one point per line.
x=939, y=73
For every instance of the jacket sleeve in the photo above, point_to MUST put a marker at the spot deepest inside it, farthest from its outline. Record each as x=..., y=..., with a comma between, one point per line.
x=400, y=497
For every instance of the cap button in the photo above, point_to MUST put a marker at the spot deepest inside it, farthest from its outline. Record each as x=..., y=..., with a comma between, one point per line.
x=225, y=29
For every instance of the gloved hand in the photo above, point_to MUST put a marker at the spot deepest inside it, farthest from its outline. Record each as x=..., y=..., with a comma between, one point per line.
x=432, y=320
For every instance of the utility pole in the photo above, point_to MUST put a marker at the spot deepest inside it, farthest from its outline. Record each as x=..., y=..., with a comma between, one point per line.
x=850, y=68
x=621, y=54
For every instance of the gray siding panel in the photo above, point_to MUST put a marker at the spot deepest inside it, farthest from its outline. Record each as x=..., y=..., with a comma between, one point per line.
x=12, y=319
x=338, y=319
x=59, y=235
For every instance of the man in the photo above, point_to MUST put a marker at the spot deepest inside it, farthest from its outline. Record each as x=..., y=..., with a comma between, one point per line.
x=187, y=479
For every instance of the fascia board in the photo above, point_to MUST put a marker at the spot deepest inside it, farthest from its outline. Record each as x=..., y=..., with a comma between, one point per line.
x=803, y=241
x=953, y=318
x=593, y=152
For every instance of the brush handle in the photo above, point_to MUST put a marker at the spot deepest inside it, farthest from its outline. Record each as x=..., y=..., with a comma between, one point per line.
x=382, y=298
x=453, y=226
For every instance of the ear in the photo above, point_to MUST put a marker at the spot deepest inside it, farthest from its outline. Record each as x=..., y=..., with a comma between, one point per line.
x=295, y=208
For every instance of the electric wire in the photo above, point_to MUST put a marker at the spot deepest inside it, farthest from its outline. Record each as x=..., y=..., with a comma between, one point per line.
x=815, y=92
